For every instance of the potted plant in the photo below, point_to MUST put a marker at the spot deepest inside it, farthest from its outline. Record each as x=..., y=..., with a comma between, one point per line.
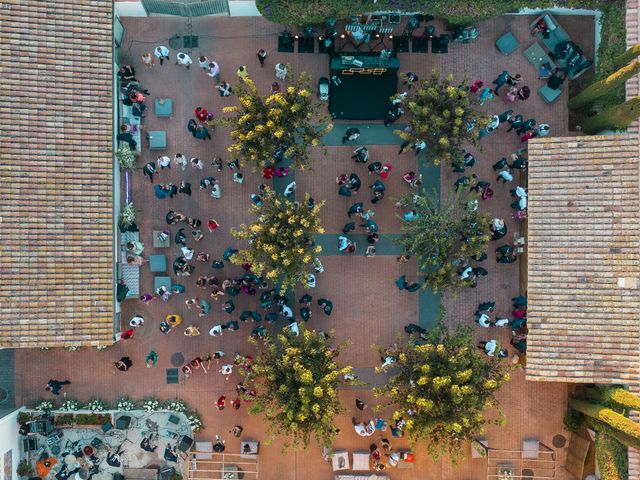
x=127, y=218
x=126, y=157
x=25, y=469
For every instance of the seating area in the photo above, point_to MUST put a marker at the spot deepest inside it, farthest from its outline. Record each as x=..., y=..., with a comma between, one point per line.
x=364, y=460
x=130, y=273
x=565, y=54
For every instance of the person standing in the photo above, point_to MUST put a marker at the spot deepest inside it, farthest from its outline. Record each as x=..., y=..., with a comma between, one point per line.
x=147, y=60
x=203, y=61
x=214, y=71
x=184, y=60
x=281, y=71
x=164, y=162
x=148, y=170
x=262, y=56
x=411, y=77
x=162, y=53
x=54, y=386
x=225, y=89
x=181, y=161
x=500, y=81
x=242, y=73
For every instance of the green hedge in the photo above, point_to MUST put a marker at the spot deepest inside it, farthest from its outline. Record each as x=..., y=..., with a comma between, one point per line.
x=612, y=458
x=459, y=12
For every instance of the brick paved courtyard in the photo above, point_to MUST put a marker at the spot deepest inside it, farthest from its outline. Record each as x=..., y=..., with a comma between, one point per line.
x=368, y=309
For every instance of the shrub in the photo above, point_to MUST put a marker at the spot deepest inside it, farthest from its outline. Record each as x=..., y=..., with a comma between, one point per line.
x=24, y=417
x=126, y=157
x=25, y=469
x=69, y=405
x=127, y=216
x=96, y=405
x=177, y=406
x=572, y=420
x=612, y=458
x=45, y=405
x=125, y=404
x=151, y=404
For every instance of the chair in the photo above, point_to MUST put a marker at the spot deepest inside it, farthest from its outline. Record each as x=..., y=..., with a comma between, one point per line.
x=530, y=448
x=507, y=44
x=204, y=450
x=440, y=44
x=163, y=107
x=340, y=460
x=157, y=140
x=360, y=460
x=106, y=427
x=158, y=264
x=160, y=240
x=161, y=281
x=549, y=95
x=123, y=422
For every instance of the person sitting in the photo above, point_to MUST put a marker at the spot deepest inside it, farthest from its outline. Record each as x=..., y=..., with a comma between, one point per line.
x=146, y=445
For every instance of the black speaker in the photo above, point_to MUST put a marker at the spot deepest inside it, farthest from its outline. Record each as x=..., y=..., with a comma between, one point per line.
x=401, y=44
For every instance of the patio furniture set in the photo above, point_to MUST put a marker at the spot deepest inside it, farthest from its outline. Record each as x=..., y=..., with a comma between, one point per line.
x=362, y=462
x=553, y=49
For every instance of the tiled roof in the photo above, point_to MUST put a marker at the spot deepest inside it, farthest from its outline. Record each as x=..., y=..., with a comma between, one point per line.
x=584, y=239
x=56, y=173
x=632, y=20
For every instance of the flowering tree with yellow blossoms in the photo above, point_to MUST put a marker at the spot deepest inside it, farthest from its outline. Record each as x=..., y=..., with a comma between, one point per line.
x=441, y=387
x=289, y=122
x=281, y=239
x=296, y=379
x=443, y=113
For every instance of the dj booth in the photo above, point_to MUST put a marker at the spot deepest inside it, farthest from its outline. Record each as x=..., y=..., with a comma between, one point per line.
x=361, y=85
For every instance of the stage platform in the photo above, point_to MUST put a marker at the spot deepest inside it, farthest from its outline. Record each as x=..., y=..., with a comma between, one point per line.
x=366, y=83
x=361, y=97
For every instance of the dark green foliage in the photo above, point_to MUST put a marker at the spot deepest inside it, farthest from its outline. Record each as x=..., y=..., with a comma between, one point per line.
x=612, y=458
x=443, y=233
x=572, y=420
x=441, y=387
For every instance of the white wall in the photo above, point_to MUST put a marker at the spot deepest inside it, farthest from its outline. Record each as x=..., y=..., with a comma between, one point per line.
x=131, y=8
x=9, y=440
x=243, y=8
x=237, y=8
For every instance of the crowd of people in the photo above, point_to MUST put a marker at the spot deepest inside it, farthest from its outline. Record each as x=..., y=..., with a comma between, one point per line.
x=220, y=293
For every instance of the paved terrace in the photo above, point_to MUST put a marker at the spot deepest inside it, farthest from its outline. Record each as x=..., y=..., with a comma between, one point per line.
x=368, y=310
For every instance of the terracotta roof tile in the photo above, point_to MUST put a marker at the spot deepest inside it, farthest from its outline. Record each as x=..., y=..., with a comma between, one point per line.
x=56, y=136
x=583, y=236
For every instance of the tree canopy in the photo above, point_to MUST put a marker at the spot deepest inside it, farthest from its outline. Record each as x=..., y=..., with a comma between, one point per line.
x=296, y=379
x=442, y=116
x=269, y=128
x=441, y=388
x=440, y=234
x=281, y=239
